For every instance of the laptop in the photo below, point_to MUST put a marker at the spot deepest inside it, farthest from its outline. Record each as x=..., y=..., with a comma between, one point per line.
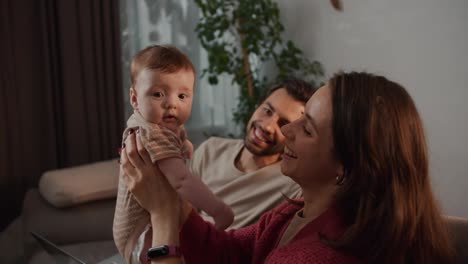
x=62, y=257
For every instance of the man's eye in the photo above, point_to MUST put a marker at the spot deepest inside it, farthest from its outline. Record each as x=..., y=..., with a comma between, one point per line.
x=306, y=131
x=158, y=94
x=183, y=96
x=267, y=111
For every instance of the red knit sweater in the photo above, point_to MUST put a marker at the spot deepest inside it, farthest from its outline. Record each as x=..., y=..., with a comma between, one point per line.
x=202, y=243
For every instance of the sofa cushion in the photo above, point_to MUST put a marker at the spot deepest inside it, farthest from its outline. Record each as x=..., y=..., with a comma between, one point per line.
x=77, y=185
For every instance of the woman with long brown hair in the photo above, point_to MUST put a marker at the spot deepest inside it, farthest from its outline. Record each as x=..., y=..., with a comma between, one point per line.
x=359, y=154
x=386, y=195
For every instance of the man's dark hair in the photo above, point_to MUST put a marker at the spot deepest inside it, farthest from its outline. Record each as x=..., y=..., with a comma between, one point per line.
x=297, y=88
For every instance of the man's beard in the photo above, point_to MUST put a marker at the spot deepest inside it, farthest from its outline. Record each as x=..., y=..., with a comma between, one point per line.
x=257, y=151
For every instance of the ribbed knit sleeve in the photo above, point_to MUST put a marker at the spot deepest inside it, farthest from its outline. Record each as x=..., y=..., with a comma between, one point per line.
x=202, y=243
x=160, y=142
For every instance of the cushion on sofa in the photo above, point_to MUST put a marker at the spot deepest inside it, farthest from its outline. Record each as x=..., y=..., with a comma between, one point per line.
x=77, y=185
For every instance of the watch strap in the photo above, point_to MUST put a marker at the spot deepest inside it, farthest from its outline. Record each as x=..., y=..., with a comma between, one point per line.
x=163, y=251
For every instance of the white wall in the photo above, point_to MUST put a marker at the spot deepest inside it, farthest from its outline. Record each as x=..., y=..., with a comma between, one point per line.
x=423, y=45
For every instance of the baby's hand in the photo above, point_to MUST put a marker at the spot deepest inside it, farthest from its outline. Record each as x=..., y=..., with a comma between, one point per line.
x=223, y=217
x=188, y=149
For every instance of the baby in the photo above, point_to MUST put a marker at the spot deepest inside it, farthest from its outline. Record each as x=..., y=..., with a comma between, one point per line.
x=161, y=95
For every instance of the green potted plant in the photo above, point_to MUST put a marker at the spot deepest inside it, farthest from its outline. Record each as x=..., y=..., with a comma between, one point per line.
x=236, y=33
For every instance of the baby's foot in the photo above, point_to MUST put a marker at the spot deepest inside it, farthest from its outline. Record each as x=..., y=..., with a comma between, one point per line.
x=223, y=217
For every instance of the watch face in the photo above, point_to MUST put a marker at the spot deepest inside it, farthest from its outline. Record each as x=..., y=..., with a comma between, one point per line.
x=158, y=252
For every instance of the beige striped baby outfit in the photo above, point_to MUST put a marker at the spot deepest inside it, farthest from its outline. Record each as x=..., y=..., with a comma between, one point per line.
x=130, y=219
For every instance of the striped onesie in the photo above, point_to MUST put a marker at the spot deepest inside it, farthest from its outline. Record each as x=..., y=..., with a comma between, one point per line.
x=130, y=220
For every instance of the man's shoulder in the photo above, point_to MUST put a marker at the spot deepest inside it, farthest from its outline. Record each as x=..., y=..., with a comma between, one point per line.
x=214, y=154
x=220, y=144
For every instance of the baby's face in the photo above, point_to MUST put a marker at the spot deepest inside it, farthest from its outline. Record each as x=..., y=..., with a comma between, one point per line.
x=163, y=98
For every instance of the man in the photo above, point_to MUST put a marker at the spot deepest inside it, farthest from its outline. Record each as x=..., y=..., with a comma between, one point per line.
x=246, y=174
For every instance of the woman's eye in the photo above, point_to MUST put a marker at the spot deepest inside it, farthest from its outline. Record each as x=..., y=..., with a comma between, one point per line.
x=282, y=123
x=158, y=94
x=306, y=131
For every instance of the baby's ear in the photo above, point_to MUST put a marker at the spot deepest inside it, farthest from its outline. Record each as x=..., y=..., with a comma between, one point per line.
x=133, y=98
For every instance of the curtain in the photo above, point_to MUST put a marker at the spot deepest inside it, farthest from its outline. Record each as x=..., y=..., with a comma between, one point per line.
x=60, y=90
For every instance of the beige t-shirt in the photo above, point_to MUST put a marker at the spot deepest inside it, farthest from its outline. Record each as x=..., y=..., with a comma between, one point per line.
x=248, y=194
x=297, y=223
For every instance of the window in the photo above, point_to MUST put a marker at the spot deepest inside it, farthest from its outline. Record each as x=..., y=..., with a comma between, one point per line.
x=173, y=22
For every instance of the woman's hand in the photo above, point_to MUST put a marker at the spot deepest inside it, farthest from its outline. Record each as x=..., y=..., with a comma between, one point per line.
x=146, y=182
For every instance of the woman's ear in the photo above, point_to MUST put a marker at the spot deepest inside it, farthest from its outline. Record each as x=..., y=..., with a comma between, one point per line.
x=340, y=169
x=340, y=175
x=133, y=98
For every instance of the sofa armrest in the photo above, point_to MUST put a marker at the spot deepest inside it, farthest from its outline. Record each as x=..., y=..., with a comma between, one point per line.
x=80, y=184
x=82, y=223
x=459, y=231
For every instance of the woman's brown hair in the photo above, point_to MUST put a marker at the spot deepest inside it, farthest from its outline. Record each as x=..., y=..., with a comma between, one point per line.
x=386, y=194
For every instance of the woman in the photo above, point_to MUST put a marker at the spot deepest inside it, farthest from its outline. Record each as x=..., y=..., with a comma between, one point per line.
x=359, y=154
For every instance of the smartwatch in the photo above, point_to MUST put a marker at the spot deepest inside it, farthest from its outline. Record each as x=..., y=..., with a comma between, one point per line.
x=163, y=251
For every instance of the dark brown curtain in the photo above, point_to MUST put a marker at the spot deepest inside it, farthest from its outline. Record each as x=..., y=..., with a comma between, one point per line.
x=61, y=91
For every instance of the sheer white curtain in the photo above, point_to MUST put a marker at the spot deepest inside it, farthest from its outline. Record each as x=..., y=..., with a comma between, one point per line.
x=149, y=22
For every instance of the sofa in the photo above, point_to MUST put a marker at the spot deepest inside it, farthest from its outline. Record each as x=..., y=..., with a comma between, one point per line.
x=74, y=208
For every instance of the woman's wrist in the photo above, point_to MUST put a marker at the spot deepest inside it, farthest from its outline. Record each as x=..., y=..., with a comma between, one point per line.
x=165, y=233
x=165, y=230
